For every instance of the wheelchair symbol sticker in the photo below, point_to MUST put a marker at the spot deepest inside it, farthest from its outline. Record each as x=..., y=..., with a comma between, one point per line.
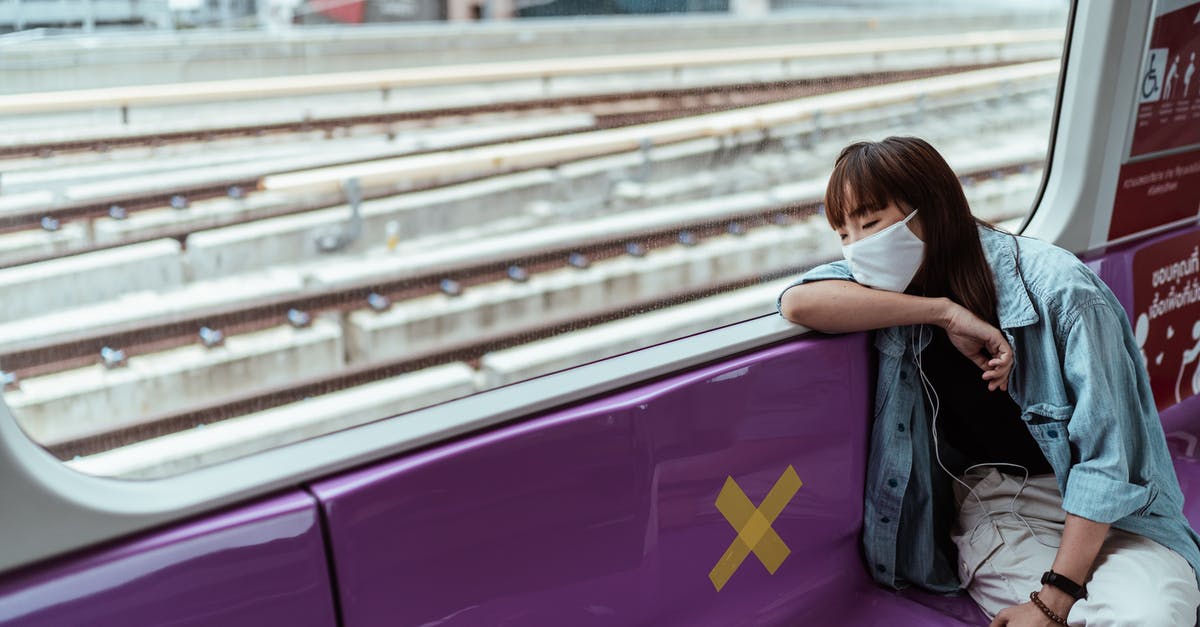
x=1153, y=81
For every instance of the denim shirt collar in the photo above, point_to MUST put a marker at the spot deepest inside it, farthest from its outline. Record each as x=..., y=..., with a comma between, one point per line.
x=1013, y=305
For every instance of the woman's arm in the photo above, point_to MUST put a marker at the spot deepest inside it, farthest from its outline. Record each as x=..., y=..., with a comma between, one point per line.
x=1077, y=551
x=1081, y=542
x=1107, y=481
x=845, y=307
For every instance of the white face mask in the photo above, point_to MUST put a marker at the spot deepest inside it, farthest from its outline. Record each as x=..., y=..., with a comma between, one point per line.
x=887, y=260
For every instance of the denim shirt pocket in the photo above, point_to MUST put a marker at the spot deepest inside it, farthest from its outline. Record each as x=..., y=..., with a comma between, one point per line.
x=1047, y=423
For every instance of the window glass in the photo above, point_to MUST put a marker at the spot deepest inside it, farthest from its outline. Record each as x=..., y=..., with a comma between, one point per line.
x=228, y=225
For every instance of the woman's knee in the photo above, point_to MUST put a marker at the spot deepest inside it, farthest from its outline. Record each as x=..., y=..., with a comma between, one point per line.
x=1140, y=607
x=1148, y=613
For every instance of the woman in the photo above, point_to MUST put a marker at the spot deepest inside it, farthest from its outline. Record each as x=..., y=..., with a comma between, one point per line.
x=1016, y=450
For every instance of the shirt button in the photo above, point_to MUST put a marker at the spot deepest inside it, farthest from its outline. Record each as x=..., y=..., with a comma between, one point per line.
x=1052, y=433
x=881, y=568
x=900, y=426
x=893, y=483
x=885, y=520
x=903, y=376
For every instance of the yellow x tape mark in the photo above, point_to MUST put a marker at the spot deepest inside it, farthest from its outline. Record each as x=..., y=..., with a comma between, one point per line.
x=753, y=526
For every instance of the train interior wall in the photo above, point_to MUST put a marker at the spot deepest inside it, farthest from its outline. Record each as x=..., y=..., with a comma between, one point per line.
x=619, y=509
x=622, y=508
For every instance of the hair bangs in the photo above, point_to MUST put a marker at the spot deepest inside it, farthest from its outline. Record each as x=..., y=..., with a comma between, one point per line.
x=855, y=186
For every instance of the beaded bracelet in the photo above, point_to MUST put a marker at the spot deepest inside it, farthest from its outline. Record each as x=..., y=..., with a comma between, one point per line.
x=1033, y=596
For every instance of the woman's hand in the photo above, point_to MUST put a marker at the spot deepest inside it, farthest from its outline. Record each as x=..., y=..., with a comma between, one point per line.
x=982, y=343
x=1023, y=615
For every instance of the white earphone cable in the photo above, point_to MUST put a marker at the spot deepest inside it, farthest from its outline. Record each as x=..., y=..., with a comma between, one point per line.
x=935, y=405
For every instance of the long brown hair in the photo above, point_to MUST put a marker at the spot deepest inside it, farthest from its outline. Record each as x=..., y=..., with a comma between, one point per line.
x=908, y=171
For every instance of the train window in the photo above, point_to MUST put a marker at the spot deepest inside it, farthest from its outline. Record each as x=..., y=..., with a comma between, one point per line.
x=229, y=226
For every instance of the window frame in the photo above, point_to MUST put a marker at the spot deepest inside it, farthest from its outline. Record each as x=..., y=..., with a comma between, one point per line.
x=54, y=509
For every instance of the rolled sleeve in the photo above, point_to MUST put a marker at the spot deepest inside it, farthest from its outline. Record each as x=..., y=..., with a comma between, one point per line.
x=1107, y=429
x=832, y=271
x=1093, y=495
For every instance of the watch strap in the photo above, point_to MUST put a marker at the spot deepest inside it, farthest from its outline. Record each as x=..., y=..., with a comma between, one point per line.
x=1065, y=584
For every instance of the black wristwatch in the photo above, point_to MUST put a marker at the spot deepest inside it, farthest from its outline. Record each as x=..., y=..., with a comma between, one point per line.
x=1066, y=585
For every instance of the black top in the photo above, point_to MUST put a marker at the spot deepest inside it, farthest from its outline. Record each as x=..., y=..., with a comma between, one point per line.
x=976, y=425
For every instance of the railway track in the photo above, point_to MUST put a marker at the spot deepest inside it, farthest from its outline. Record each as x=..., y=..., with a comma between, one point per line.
x=261, y=314
x=577, y=249
x=611, y=111
x=462, y=164
x=355, y=375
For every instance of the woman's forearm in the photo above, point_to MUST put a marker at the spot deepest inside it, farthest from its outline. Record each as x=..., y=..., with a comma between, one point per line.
x=1081, y=542
x=846, y=307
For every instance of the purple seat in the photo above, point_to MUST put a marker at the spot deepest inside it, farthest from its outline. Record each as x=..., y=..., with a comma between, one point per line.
x=262, y=563
x=873, y=605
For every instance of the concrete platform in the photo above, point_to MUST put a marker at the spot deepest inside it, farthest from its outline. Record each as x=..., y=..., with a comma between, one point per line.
x=293, y=239
x=49, y=286
x=146, y=307
x=116, y=172
x=502, y=248
x=108, y=182
x=613, y=338
x=245, y=435
x=505, y=307
x=60, y=171
x=70, y=404
x=22, y=246
x=229, y=439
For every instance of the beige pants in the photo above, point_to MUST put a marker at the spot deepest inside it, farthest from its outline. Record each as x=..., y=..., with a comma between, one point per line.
x=1135, y=581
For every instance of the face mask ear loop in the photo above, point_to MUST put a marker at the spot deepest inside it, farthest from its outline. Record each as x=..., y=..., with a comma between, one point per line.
x=935, y=405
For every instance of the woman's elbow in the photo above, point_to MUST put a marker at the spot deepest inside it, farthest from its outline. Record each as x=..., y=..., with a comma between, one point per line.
x=809, y=306
x=793, y=307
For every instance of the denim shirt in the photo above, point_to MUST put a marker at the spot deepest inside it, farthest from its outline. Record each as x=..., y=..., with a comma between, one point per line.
x=1081, y=384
